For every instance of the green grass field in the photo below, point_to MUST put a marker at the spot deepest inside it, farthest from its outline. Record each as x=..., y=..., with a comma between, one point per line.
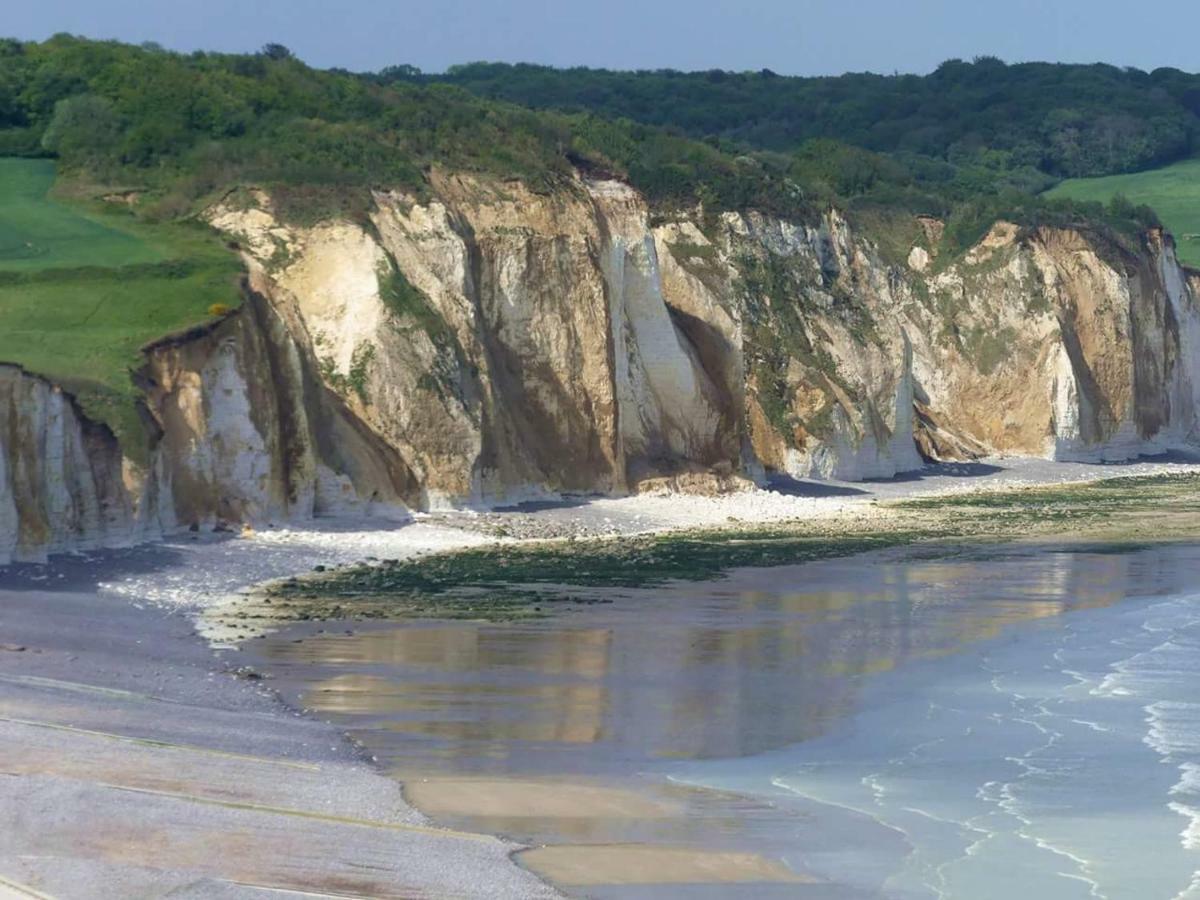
x=1173, y=191
x=37, y=232
x=83, y=289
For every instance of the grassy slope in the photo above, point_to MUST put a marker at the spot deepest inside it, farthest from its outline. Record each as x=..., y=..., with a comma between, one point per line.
x=1173, y=191
x=82, y=290
x=38, y=233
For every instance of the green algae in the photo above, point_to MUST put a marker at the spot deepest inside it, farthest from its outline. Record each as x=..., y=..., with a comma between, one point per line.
x=521, y=580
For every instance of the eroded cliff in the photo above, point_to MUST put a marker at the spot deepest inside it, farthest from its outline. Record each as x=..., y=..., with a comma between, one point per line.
x=487, y=343
x=242, y=430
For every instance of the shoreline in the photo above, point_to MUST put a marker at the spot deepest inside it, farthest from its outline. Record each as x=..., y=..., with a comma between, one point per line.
x=522, y=799
x=187, y=577
x=509, y=579
x=492, y=806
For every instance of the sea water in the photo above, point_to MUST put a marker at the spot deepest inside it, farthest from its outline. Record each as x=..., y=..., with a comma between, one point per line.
x=1055, y=761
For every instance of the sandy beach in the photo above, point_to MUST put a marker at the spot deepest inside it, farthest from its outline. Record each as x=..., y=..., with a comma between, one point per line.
x=135, y=761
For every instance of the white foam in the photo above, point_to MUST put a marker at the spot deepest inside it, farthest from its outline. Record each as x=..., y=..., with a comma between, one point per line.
x=1174, y=731
x=1189, y=783
x=1190, y=836
x=1060, y=741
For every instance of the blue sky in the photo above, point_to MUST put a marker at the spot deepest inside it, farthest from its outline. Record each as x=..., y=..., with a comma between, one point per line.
x=790, y=36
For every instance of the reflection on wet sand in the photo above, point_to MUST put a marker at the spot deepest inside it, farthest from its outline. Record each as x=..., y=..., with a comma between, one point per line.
x=754, y=662
x=725, y=669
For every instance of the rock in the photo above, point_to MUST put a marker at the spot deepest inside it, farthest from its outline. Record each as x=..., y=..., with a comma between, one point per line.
x=487, y=344
x=918, y=259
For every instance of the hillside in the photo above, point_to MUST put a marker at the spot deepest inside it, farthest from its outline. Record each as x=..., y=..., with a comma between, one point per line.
x=172, y=134
x=185, y=127
x=1021, y=123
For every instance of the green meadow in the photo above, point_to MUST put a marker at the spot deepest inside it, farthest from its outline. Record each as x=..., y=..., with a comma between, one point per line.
x=37, y=232
x=1172, y=191
x=82, y=289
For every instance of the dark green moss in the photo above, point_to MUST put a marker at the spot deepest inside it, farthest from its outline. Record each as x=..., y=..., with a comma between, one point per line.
x=484, y=581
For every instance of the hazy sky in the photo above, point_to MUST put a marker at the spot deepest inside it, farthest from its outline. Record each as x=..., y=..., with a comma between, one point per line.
x=790, y=36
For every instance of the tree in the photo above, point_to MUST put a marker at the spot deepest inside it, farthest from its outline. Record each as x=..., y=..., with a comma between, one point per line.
x=402, y=72
x=84, y=129
x=276, y=51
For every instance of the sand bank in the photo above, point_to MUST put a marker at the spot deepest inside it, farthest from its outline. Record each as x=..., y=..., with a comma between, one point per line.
x=523, y=798
x=616, y=864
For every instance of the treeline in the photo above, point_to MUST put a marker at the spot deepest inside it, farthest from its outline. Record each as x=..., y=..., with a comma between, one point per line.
x=182, y=126
x=1061, y=120
x=188, y=124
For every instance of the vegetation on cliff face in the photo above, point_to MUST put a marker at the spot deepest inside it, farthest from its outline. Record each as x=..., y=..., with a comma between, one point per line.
x=971, y=142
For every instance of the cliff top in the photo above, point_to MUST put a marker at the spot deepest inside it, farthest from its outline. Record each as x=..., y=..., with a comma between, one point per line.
x=83, y=286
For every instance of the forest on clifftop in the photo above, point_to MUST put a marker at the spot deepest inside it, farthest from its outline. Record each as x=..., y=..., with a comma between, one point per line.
x=969, y=142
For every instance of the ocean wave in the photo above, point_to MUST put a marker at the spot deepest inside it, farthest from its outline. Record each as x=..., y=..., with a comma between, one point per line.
x=1174, y=731
x=1189, y=838
x=1189, y=782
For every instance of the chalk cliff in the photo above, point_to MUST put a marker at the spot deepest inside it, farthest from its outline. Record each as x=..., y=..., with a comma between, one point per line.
x=486, y=342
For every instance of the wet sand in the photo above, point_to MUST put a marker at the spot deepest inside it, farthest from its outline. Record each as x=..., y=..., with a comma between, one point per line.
x=591, y=814
x=625, y=864
x=515, y=798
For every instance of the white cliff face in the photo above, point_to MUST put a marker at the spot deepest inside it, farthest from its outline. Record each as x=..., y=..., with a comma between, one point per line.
x=508, y=291
x=245, y=433
x=986, y=348
x=829, y=377
x=1056, y=344
x=530, y=350
x=668, y=408
x=61, y=484
x=1184, y=394
x=488, y=343
x=250, y=433
x=335, y=280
